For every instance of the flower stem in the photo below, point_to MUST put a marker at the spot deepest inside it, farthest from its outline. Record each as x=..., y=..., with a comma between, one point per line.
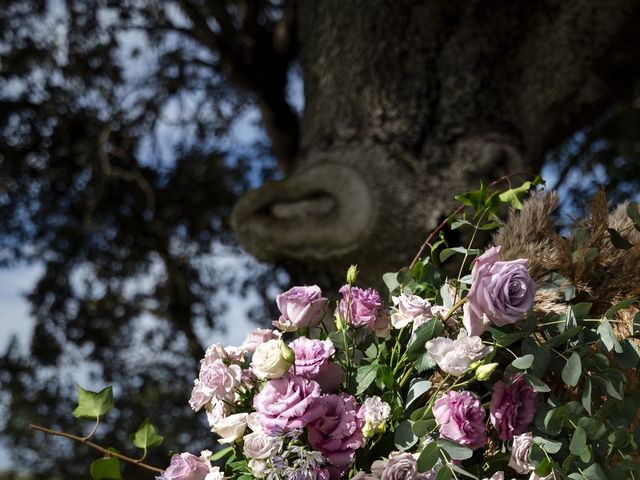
x=95, y=446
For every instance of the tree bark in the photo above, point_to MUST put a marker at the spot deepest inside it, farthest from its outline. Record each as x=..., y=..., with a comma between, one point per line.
x=408, y=103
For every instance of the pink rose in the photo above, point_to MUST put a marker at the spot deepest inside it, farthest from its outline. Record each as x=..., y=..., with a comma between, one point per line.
x=461, y=418
x=337, y=433
x=287, y=403
x=501, y=292
x=365, y=307
x=300, y=307
x=186, y=466
x=258, y=337
x=513, y=407
x=200, y=396
x=220, y=378
x=409, y=309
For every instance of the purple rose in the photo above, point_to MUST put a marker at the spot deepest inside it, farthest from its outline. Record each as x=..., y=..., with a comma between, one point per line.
x=461, y=418
x=513, y=406
x=300, y=307
x=311, y=355
x=337, y=433
x=365, y=307
x=287, y=403
x=501, y=292
x=186, y=466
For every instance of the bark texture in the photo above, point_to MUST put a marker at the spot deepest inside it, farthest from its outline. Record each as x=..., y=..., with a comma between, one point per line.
x=408, y=103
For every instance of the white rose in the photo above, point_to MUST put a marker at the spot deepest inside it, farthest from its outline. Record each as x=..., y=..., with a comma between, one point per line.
x=520, y=453
x=215, y=474
x=216, y=411
x=258, y=468
x=455, y=356
x=271, y=360
x=410, y=308
x=259, y=446
x=231, y=428
x=253, y=422
x=496, y=476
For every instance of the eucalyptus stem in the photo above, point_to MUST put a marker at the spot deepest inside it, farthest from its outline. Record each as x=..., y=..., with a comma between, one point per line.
x=97, y=447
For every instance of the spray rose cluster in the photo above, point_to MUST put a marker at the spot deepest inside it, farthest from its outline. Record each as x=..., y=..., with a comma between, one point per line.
x=303, y=400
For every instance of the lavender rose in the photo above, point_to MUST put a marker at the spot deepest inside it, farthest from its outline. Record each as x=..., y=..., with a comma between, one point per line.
x=455, y=356
x=300, y=307
x=259, y=446
x=513, y=407
x=221, y=379
x=337, y=433
x=501, y=292
x=461, y=418
x=330, y=377
x=399, y=466
x=311, y=355
x=520, y=453
x=287, y=403
x=365, y=307
x=186, y=466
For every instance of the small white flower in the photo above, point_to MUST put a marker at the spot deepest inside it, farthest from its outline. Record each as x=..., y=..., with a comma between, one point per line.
x=408, y=309
x=258, y=468
x=215, y=474
x=259, y=446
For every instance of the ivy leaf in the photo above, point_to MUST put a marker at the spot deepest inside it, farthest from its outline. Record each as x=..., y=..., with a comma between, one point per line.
x=105, y=469
x=92, y=405
x=512, y=196
x=572, y=370
x=146, y=436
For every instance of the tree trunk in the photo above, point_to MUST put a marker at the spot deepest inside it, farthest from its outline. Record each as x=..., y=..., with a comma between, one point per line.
x=408, y=103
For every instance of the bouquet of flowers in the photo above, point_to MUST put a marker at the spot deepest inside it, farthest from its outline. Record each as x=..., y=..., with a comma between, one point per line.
x=521, y=366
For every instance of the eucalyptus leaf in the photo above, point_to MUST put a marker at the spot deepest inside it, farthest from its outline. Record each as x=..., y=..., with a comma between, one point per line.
x=572, y=370
x=428, y=457
x=417, y=388
x=455, y=450
x=404, y=438
x=578, y=441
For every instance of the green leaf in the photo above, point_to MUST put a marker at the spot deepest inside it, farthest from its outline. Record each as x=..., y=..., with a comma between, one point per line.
x=146, y=436
x=448, y=252
x=428, y=457
x=417, y=388
x=594, y=472
x=512, y=196
x=618, y=240
x=365, y=377
x=390, y=279
x=563, y=338
x=594, y=428
x=424, y=333
x=371, y=352
x=524, y=362
x=634, y=214
x=404, y=438
x=630, y=355
x=423, y=427
x=105, y=469
x=504, y=339
x=619, y=306
x=92, y=405
x=586, y=395
x=455, y=450
x=572, y=370
x=608, y=336
x=549, y=446
x=554, y=419
x=425, y=362
x=475, y=198
x=384, y=377
x=578, y=441
x=543, y=468
x=537, y=384
x=221, y=454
